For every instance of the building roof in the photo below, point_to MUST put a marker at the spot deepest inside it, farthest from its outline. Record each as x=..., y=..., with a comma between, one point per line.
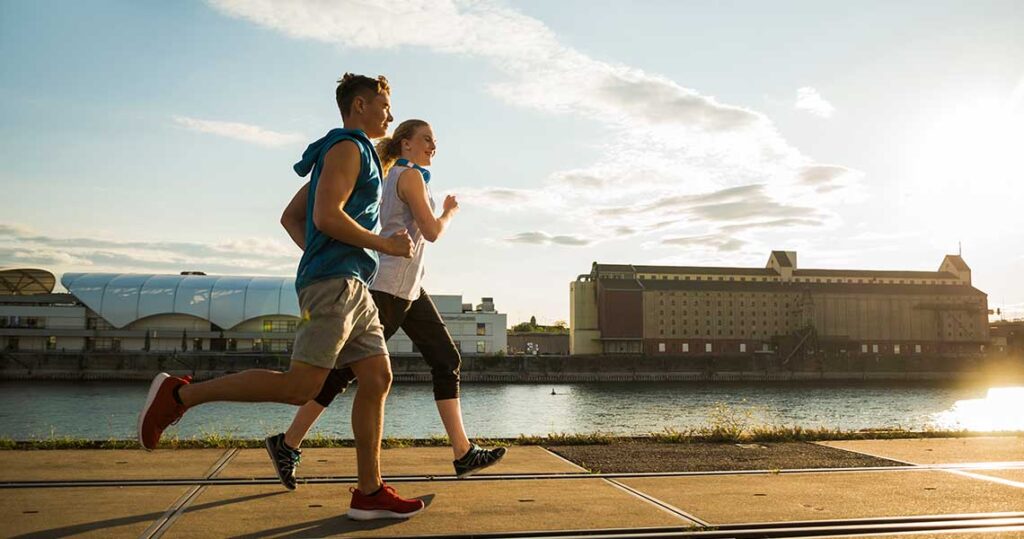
x=25, y=281
x=767, y=272
x=782, y=258
x=874, y=273
x=958, y=262
x=818, y=288
x=225, y=301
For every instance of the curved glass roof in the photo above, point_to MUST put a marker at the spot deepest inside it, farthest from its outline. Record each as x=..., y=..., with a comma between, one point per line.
x=224, y=300
x=25, y=281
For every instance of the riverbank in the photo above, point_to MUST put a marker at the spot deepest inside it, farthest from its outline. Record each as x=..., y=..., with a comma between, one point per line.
x=719, y=434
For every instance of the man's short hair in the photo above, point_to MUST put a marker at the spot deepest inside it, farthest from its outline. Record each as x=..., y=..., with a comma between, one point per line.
x=351, y=86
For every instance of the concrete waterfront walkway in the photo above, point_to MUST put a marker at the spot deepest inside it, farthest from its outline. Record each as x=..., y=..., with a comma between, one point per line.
x=938, y=487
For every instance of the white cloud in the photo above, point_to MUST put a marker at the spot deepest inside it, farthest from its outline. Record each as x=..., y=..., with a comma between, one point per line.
x=249, y=256
x=543, y=238
x=253, y=134
x=670, y=140
x=809, y=99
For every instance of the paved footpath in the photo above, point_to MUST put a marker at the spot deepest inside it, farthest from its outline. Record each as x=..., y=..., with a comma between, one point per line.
x=949, y=488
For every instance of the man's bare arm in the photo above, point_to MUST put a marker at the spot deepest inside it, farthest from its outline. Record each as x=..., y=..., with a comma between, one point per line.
x=337, y=180
x=294, y=217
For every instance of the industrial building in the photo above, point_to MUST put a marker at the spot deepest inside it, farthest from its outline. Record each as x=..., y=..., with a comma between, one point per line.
x=189, y=312
x=780, y=310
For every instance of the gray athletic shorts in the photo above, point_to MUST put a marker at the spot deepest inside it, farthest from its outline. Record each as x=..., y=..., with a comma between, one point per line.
x=339, y=324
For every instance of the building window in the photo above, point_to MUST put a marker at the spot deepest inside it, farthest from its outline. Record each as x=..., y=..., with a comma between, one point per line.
x=896, y=349
x=661, y=347
x=51, y=343
x=917, y=348
x=279, y=326
x=764, y=347
x=743, y=347
x=481, y=328
x=707, y=347
x=863, y=348
x=686, y=347
x=275, y=345
x=481, y=347
x=874, y=348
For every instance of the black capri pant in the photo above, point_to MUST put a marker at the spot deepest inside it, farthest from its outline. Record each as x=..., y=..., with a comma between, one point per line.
x=425, y=328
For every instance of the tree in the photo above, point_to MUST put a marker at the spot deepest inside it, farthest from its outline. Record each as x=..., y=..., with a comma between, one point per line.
x=533, y=321
x=522, y=327
x=561, y=324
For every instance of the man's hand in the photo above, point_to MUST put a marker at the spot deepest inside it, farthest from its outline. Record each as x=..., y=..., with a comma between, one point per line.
x=398, y=244
x=450, y=204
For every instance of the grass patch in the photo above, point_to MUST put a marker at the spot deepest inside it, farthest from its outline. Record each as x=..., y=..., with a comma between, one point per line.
x=699, y=435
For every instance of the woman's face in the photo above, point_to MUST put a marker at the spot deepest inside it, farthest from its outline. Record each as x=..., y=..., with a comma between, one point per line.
x=420, y=147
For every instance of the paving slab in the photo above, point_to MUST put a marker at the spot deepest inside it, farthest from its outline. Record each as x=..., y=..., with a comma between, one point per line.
x=1015, y=532
x=90, y=464
x=251, y=463
x=839, y=495
x=1016, y=474
x=940, y=450
x=453, y=507
x=86, y=512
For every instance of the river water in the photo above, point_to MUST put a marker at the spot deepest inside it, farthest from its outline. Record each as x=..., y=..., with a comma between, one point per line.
x=104, y=410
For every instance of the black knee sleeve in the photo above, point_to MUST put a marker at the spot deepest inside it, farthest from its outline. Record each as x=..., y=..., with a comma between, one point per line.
x=336, y=383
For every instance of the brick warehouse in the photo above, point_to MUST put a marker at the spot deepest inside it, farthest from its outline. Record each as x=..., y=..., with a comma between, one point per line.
x=778, y=311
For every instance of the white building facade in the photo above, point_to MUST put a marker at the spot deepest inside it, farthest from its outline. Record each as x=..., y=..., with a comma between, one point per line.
x=476, y=331
x=165, y=313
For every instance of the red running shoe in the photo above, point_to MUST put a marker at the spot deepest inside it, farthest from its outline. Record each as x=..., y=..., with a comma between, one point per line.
x=386, y=503
x=161, y=410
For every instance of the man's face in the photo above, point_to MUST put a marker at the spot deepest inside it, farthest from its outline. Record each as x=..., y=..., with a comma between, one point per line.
x=378, y=116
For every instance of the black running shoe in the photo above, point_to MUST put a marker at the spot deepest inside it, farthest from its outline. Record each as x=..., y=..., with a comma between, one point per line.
x=477, y=459
x=285, y=460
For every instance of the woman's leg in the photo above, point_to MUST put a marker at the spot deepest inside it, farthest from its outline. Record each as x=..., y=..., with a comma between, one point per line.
x=425, y=327
x=451, y=416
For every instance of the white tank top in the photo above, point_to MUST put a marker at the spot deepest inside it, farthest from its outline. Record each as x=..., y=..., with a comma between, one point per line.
x=399, y=276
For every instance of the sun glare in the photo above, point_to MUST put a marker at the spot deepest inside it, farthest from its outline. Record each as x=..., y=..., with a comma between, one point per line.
x=966, y=164
x=1002, y=409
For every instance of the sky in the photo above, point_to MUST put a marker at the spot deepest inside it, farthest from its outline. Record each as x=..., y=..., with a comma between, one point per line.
x=159, y=137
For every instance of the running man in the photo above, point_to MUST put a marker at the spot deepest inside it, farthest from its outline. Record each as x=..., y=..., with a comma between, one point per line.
x=407, y=205
x=339, y=326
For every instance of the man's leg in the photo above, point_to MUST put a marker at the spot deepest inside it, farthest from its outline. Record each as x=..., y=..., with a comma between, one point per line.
x=170, y=397
x=374, y=374
x=297, y=386
x=318, y=341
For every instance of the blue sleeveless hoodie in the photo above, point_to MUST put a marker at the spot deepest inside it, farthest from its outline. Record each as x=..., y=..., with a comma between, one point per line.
x=326, y=257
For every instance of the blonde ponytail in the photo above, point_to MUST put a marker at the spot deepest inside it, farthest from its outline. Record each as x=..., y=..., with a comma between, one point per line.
x=389, y=149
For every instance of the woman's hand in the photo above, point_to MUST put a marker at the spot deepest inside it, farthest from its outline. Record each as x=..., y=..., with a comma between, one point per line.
x=451, y=205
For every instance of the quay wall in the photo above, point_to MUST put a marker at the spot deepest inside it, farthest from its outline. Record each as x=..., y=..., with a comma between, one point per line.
x=507, y=369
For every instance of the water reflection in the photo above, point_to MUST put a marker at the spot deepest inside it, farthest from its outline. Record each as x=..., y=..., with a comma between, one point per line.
x=103, y=410
x=1001, y=409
